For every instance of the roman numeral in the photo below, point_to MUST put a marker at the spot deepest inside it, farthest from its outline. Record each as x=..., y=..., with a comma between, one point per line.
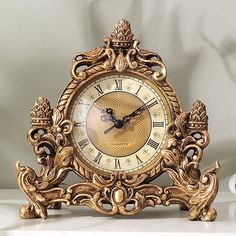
x=83, y=143
x=138, y=159
x=152, y=104
x=97, y=159
x=153, y=143
x=117, y=163
x=99, y=89
x=79, y=124
x=158, y=124
x=118, y=84
x=140, y=86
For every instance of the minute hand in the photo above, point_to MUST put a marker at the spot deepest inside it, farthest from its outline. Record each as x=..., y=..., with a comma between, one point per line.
x=137, y=112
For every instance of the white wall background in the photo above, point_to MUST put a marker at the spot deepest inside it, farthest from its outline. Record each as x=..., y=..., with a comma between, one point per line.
x=38, y=39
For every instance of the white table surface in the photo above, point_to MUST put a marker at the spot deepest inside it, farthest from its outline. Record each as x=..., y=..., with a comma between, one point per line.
x=84, y=221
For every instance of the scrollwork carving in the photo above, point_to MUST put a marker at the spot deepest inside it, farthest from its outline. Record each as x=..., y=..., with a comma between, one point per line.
x=198, y=190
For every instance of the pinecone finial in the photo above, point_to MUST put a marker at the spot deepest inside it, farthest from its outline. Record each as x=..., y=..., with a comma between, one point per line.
x=122, y=35
x=198, y=119
x=41, y=113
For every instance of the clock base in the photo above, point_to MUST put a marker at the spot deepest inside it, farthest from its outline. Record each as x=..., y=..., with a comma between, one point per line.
x=120, y=200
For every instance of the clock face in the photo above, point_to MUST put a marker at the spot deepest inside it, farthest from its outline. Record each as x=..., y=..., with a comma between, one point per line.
x=120, y=123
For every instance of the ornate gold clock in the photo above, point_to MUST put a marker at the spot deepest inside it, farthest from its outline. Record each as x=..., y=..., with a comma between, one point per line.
x=118, y=125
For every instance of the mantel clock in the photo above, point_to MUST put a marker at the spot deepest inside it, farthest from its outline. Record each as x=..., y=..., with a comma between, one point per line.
x=118, y=125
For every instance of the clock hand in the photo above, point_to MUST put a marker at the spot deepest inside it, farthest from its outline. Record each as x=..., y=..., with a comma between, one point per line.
x=136, y=112
x=109, y=129
x=117, y=124
x=107, y=114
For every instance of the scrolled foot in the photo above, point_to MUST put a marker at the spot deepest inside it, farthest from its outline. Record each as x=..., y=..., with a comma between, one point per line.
x=206, y=214
x=209, y=215
x=29, y=212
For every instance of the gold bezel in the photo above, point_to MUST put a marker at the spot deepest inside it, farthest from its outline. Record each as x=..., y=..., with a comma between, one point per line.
x=156, y=162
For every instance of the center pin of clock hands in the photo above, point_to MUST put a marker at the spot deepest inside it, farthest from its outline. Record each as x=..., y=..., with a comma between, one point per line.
x=120, y=123
x=107, y=115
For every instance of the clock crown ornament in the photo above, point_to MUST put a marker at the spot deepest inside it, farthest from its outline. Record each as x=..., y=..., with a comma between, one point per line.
x=122, y=35
x=118, y=125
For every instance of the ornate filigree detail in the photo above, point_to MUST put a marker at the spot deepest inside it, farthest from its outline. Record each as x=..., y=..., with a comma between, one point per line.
x=181, y=161
x=120, y=53
x=34, y=186
x=114, y=192
x=47, y=137
x=51, y=148
x=125, y=194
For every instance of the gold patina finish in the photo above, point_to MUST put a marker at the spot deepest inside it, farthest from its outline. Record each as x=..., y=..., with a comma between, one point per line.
x=127, y=193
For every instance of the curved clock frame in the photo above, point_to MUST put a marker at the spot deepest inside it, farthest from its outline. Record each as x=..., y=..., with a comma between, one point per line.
x=125, y=194
x=81, y=167
x=154, y=168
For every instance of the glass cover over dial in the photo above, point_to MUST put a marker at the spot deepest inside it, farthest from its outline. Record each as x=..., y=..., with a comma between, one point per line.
x=120, y=123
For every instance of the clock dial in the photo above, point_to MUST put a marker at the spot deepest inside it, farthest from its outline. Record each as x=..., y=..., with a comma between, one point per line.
x=120, y=123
